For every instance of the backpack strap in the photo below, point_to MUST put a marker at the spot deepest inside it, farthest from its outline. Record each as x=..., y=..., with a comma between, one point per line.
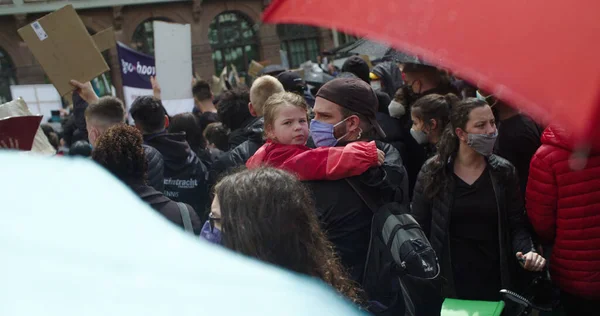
x=185, y=216
x=370, y=204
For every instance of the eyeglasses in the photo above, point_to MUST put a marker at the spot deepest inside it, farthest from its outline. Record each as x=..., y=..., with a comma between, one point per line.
x=211, y=221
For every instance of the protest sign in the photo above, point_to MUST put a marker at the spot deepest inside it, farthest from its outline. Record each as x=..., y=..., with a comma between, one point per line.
x=173, y=55
x=136, y=70
x=61, y=44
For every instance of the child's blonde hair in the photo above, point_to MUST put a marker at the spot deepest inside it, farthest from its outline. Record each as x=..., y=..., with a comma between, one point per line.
x=262, y=88
x=274, y=103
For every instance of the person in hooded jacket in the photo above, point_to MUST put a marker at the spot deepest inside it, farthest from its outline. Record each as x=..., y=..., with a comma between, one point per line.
x=189, y=124
x=386, y=77
x=345, y=112
x=120, y=151
x=262, y=88
x=185, y=176
x=563, y=196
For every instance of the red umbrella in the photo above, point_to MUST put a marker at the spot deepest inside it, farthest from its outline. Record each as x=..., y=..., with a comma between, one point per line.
x=542, y=56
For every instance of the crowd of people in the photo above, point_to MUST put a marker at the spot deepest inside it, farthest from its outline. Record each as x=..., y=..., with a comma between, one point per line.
x=266, y=173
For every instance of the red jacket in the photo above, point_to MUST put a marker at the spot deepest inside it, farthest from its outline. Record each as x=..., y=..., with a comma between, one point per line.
x=323, y=163
x=564, y=207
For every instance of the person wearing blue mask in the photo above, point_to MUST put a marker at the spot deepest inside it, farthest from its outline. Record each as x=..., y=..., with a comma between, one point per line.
x=345, y=111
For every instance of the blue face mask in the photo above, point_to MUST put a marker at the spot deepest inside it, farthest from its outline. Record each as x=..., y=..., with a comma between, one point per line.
x=210, y=235
x=322, y=133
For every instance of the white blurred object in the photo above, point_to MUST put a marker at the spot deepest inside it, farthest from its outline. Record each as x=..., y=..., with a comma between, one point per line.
x=40, y=98
x=18, y=107
x=173, y=53
x=396, y=109
x=90, y=255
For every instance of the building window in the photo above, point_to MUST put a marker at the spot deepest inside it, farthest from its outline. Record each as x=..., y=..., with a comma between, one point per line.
x=344, y=38
x=233, y=41
x=7, y=76
x=143, y=36
x=300, y=42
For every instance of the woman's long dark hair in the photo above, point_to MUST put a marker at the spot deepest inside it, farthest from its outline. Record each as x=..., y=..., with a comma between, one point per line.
x=268, y=214
x=437, y=178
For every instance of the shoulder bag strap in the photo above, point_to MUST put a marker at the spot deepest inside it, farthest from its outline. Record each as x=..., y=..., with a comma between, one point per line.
x=370, y=204
x=185, y=216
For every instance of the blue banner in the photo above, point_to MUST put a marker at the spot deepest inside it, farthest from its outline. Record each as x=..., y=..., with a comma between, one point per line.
x=136, y=68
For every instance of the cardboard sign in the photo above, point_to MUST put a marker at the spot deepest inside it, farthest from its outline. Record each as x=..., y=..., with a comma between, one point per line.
x=173, y=58
x=105, y=40
x=61, y=44
x=254, y=68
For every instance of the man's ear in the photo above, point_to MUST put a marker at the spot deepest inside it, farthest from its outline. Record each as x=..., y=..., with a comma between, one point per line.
x=251, y=109
x=166, y=122
x=352, y=123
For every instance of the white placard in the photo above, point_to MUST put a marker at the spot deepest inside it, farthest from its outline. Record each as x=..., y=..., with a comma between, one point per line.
x=40, y=98
x=25, y=92
x=173, y=107
x=47, y=93
x=173, y=55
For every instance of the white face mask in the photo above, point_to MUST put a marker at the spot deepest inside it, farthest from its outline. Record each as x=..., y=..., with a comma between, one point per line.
x=376, y=85
x=419, y=136
x=396, y=109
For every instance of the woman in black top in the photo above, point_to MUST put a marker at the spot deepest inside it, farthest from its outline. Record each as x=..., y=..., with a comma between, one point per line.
x=468, y=203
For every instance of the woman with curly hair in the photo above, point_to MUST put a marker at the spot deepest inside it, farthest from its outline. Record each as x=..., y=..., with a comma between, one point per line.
x=120, y=151
x=268, y=214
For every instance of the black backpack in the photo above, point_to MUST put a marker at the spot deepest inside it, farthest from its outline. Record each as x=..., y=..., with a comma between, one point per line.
x=398, y=247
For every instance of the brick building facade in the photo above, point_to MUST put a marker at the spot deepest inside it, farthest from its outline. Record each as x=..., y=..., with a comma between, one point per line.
x=19, y=66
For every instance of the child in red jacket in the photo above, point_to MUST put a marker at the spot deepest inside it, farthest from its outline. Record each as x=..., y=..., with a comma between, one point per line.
x=286, y=129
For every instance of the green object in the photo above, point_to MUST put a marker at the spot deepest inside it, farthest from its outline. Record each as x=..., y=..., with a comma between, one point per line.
x=453, y=307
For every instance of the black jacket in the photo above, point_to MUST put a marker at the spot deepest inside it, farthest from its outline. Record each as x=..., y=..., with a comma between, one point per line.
x=74, y=128
x=434, y=214
x=238, y=156
x=252, y=130
x=166, y=207
x=156, y=168
x=344, y=216
x=185, y=176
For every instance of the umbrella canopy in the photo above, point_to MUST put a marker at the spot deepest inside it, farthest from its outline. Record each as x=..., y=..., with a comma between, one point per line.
x=541, y=56
x=76, y=241
x=272, y=70
x=375, y=50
